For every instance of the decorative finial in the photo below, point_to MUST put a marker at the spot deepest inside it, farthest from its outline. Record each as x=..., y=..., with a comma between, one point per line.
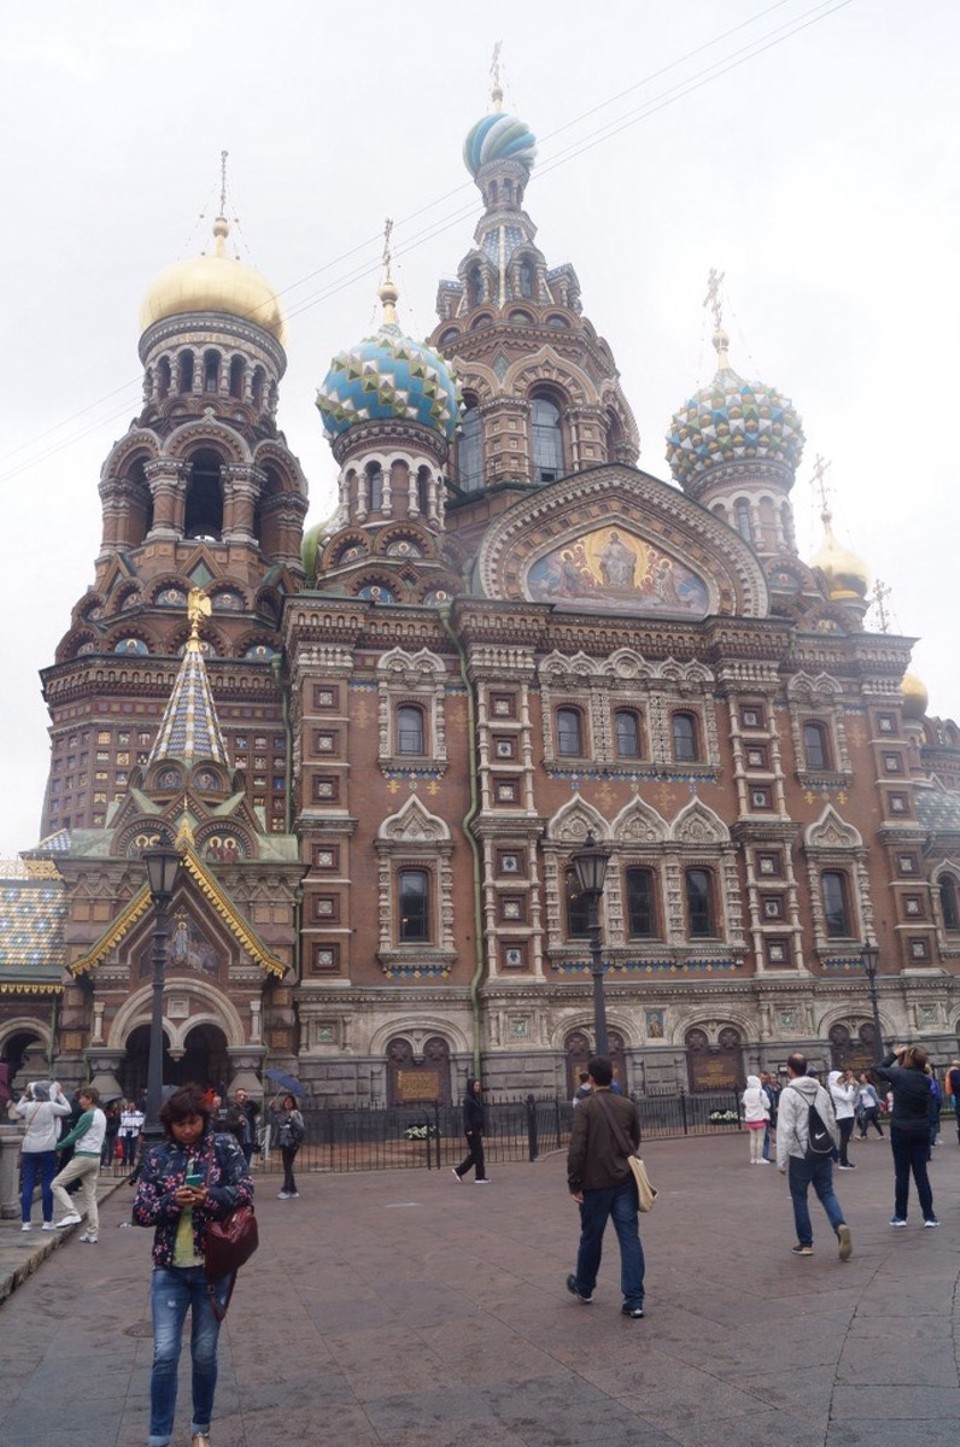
x=223, y=182
x=221, y=228
x=819, y=481
x=496, y=88
x=388, y=290
x=184, y=837
x=198, y=608
x=712, y=299
x=881, y=592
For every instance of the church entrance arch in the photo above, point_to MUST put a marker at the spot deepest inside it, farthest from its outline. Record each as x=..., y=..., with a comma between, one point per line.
x=23, y=1051
x=203, y=1061
x=412, y=1079
x=715, y=1067
x=578, y=1051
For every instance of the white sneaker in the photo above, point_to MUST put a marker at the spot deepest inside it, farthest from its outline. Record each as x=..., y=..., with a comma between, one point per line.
x=90, y=1237
x=283, y=1196
x=26, y=1226
x=73, y=1219
x=48, y=1226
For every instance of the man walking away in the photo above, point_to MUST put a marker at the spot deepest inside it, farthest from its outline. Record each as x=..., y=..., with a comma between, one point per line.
x=601, y=1182
x=793, y=1138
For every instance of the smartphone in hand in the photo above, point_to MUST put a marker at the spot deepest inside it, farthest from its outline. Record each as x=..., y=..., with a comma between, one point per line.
x=195, y=1181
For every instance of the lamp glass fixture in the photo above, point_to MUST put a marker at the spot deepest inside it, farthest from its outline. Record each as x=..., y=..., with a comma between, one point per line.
x=590, y=862
x=162, y=865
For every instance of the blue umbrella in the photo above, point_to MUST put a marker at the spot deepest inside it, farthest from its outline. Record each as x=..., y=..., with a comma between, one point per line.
x=286, y=1082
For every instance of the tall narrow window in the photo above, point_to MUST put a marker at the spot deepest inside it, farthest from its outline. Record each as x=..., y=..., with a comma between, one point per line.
x=470, y=450
x=185, y=367
x=816, y=746
x=374, y=487
x=578, y=910
x=474, y=286
x=627, y=728
x=836, y=906
x=211, y=371
x=423, y=490
x=948, y=903
x=526, y=278
x=163, y=378
x=699, y=904
x=547, y=440
x=641, y=904
x=203, y=516
x=410, y=730
x=413, y=888
x=236, y=377
x=569, y=733
x=741, y=513
x=685, y=745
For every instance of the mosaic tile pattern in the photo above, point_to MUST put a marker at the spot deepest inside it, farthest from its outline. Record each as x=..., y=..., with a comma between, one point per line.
x=32, y=915
x=190, y=728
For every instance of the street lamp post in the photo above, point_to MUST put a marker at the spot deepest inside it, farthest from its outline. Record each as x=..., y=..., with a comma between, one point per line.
x=162, y=864
x=590, y=862
x=869, y=958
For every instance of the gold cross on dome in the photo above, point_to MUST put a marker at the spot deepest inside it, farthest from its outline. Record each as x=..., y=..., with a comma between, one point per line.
x=819, y=481
x=881, y=592
x=712, y=298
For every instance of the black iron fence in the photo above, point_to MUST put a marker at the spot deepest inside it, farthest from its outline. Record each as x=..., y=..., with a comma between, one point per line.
x=430, y=1135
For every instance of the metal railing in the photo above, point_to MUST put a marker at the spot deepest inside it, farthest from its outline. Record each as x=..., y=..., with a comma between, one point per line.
x=430, y=1135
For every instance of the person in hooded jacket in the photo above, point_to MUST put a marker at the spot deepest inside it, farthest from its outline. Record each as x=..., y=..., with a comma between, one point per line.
x=906, y=1070
x=756, y=1113
x=800, y=1092
x=42, y=1107
x=844, y=1092
x=473, y=1124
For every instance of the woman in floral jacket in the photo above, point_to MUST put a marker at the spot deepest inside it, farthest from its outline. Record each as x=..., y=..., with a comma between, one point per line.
x=220, y=1182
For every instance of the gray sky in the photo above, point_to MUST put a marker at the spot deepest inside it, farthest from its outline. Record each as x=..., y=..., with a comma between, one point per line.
x=820, y=174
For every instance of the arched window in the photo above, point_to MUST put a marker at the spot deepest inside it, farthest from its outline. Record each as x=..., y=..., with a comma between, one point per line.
x=410, y=730
x=474, y=286
x=578, y=909
x=719, y=510
x=741, y=514
x=423, y=489
x=163, y=378
x=493, y=195
x=786, y=524
x=569, y=733
x=211, y=371
x=236, y=377
x=626, y=722
x=185, y=370
x=816, y=746
x=413, y=899
x=374, y=486
x=686, y=748
x=203, y=517
x=700, y=920
x=547, y=440
x=768, y=524
x=141, y=508
x=641, y=904
x=526, y=277
x=470, y=449
x=836, y=904
x=257, y=387
x=949, y=905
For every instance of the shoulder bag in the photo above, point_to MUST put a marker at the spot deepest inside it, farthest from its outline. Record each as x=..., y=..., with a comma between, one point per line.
x=647, y=1192
x=229, y=1243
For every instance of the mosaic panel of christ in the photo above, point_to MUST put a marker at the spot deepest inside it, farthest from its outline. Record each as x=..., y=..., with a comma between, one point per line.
x=612, y=568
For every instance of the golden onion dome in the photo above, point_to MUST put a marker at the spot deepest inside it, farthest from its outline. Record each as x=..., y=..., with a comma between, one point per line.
x=914, y=694
x=847, y=575
x=215, y=283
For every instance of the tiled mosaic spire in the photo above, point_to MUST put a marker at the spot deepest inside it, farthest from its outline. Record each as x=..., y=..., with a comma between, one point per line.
x=190, y=729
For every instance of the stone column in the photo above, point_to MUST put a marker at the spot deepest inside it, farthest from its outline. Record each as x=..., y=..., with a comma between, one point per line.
x=167, y=486
x=246, y=1063
x=10, y=1138
x=104, y=1063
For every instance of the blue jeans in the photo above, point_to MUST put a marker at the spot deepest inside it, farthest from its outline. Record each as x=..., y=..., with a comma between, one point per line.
x=819, y=1174
x=911, y=1153
x=620, y=1203
x=173, y=1290
x=37, y=1166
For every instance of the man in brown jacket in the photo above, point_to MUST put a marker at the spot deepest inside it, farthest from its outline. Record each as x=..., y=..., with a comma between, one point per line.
x=602, y=1185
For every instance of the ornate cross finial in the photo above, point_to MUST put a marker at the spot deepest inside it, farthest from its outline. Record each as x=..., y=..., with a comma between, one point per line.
x=881, y=592
x=387, y=233
x=496, y=87
x=198, y=608
x=819, y=481
x=712, y=298
x=223, y=182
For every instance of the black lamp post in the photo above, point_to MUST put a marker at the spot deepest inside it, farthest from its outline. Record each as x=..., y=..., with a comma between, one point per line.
x=163, y=864
x=869, y=958
x=590, y=862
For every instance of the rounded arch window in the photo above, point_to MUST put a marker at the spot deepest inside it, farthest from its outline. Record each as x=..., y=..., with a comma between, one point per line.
x=185, y=372
x=470, y=448
x=448, y=338
x=741, y=517
x=950, y=902
x=816, y=745
x=236, y=376
x=547, y=439
x=686, y=747
x=131, y=645
x=411, y=730
x=523, y=318
x=569, y=733
x=527, y=278
x=559, y=323
x=211, y=371
x=474, y=286
x=163, y=378
x=203, y=517
x=374, y=486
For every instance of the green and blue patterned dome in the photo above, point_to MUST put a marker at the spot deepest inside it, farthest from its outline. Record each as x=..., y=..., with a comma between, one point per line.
x=389, y=377
x=732, y=421
x=499, y=137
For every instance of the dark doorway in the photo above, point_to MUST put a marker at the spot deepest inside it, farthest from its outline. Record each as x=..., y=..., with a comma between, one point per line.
x=204, y=1061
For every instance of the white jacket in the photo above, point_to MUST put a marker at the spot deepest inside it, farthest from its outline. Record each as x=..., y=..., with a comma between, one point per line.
x=43, y=1124
x=756, y=1105
x=844, y=1097
x=796, y=1099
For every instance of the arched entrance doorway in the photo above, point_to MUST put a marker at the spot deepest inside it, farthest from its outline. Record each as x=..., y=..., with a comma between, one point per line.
x=715, y=1067
x=578, y=1050
x=411, y=1079
x=849, y=1052
x=24, y=1048
x=204, y=1060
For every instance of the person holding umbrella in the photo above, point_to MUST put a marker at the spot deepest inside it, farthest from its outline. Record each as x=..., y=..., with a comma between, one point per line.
x=290, y=1134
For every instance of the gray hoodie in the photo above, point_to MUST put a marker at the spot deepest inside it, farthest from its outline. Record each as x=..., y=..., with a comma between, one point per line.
x=796, y=1099
x=41, y=1117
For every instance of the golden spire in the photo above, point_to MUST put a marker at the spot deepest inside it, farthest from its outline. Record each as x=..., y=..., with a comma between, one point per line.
x=712, y=299
x=185, y=832
x=198, y=608
x=388, y=289
x=221, y=227
x=496, y=87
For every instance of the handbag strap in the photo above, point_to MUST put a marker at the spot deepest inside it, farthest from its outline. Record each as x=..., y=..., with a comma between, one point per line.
x=618, y=1131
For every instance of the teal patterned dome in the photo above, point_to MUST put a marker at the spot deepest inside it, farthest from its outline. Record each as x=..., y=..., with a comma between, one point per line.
x=389, y=377
x=732, y=421
x=499, y=137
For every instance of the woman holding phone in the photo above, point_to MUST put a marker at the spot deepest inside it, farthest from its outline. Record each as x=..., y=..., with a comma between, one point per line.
x=193, y=1177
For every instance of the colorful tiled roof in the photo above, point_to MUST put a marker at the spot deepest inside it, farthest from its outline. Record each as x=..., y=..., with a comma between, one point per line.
x=32, y=915
x=499, y=137
x=389, y=376
x=938, y=810
x=190, y=729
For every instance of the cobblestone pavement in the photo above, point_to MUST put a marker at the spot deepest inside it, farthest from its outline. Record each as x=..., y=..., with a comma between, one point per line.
x=400, y=1308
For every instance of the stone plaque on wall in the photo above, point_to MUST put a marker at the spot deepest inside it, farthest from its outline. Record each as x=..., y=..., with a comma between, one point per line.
x=417, y=1085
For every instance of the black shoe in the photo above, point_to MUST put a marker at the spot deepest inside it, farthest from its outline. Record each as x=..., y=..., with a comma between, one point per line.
x=636, y=1312
x=574, y=1290
x=802, y=1250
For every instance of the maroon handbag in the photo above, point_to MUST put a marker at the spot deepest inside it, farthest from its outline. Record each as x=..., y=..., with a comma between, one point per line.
x=229, y=1243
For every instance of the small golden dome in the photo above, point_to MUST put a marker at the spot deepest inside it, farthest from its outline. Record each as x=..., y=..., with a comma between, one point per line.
x=847, y=575
x=915, y=697
x=216, y=283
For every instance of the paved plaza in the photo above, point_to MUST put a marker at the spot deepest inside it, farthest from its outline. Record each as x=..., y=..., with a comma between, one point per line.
x=400, y=1308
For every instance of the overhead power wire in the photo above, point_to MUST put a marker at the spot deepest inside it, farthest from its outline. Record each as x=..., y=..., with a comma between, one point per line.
x=432, y=230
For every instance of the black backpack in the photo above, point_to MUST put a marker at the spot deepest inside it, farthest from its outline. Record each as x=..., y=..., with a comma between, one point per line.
x=820, y=1142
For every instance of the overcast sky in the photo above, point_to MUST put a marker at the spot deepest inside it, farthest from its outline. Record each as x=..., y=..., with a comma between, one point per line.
x=817, y=169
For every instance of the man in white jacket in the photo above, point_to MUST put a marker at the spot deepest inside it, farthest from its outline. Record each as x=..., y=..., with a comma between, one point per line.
x=800, y=1092
x=844, y=1093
